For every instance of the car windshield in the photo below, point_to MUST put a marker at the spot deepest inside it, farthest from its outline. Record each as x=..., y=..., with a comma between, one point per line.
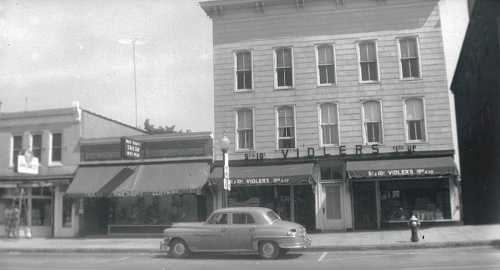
x=272, y=216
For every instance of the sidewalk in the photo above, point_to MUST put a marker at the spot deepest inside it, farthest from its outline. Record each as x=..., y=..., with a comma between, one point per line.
x=453, y=236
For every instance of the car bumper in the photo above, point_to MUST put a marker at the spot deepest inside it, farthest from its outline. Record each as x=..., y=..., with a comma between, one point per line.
x=296, y=242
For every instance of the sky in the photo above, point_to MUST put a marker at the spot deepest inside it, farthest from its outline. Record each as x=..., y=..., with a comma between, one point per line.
x=54, y=52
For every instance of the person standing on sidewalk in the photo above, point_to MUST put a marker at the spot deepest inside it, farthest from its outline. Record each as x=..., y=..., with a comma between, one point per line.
x=7, y=214
x=15, y=215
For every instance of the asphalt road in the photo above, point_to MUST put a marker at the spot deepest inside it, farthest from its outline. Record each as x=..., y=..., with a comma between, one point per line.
x=421, y=259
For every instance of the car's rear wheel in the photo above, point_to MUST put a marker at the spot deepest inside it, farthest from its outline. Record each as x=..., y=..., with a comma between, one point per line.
x=179, y=249
x=269, y=250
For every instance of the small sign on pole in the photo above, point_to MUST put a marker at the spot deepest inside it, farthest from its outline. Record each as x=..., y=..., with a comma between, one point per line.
x=227, y=182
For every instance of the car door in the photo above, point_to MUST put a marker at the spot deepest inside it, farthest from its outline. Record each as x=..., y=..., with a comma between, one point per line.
x=214, y=234
x=241, y=231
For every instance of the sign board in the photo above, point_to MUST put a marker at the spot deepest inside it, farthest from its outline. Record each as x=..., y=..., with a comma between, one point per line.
x=227, y=182
x=27, y=163
x=131, y=149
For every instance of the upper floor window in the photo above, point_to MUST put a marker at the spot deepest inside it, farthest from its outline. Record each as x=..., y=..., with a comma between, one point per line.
x=372, y=118
x=36, y=146
x=56, y=147
x=284, y=68
x=415, y=121
x=17, y=147
x=326, y=64
x=243, y=70
x=329, y=124
x=244, y=123
x=410, y=67
x=368, y=63
x=286, y=127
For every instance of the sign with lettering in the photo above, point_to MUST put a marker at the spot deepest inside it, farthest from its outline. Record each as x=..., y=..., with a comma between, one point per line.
x=271, y=180
x=402, y=172
x=227, y=182
x=27, y=163
x=131, y=149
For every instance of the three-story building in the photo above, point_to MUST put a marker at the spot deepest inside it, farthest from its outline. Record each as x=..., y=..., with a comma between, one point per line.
x=338, y=112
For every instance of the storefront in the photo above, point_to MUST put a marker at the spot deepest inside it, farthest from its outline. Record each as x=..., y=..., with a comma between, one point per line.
x=140, y=197
x=289, y=189
x=387, y=192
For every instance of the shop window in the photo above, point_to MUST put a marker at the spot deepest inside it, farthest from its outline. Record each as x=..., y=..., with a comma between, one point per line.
x=245, y=129
x=37, y=146
x=329, y=124
x=41, y=212
x=410, y=67
x=330, y=173
x=56, y=147
x=242, y=218
x=17, y=146
x=67, y=211
x=244, y=70
x=326, y=64
x=372, y=117
x=415, y=123
x=284, y=68
x=286, y=127
x=368, y=61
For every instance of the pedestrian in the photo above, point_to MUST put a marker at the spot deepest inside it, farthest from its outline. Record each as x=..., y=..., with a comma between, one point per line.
x=7, y=214
x=15, y=220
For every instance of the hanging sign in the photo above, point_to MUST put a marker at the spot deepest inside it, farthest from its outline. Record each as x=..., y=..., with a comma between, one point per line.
x=27, y=163
x=131, y=149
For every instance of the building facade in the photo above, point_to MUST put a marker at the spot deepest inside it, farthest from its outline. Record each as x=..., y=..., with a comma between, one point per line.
x=476, y=86
x=338, y=112
x=52, y=136
x=142, y=184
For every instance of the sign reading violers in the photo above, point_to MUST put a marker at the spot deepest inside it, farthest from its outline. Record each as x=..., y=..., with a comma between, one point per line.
x=131, y=149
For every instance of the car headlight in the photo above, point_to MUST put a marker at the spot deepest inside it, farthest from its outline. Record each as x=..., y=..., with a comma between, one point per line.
x=292, y=233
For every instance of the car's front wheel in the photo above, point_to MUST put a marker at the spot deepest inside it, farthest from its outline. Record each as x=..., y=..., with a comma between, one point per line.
x=179, y=249
x=269, y=250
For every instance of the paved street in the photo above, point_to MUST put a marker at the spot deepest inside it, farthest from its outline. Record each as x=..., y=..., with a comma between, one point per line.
x=422, y=259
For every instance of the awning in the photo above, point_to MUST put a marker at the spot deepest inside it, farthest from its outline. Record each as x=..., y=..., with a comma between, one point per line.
x=23, y=180
x=98, y=181
x=398, y=168
x=166, y=178
x=287, y=174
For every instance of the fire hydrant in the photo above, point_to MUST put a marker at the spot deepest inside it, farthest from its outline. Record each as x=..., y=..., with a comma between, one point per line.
x=414, y=224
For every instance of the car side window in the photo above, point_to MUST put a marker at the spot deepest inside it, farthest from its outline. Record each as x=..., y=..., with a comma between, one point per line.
x=243, y=218
x=218, y=218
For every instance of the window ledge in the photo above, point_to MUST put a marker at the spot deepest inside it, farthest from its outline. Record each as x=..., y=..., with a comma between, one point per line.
x=55, y=164
x=411, y=79
x=284, y=88
x=416, y=142
x=243, y=91
x=326, y=85
x=244, y=150
x=369, y=82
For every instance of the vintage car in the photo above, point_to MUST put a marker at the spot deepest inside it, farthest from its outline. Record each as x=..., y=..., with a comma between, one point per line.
x=237, y=229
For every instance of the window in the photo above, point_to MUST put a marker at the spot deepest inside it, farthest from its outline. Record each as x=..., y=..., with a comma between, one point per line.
x=409, y=58
x=326, y=65
x=218, y=218
x=329, y=124
x=56, y=147
x=245, y=129
x=372, y=122
x=284, y=68
x=415, y=119
x=67, y=211
x=17, y=146
x=242, y=218
x=368, y=61
x=243, y=70
x=37, y=146
x=286, y=127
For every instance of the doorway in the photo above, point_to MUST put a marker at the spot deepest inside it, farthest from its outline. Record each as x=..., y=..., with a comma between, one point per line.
x=365, y=205
x=332, y=209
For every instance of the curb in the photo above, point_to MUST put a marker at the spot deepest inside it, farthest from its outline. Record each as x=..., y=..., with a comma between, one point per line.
x=402, y=246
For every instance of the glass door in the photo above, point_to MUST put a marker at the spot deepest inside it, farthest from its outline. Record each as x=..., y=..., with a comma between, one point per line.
x=332, y=210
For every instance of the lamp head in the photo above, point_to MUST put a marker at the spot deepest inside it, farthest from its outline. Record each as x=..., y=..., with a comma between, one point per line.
x=224, y=143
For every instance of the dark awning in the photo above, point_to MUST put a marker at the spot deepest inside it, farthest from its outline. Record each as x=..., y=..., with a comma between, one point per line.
x=416, y=167
x=98, y=180
x=288, y=174
x=165, y=178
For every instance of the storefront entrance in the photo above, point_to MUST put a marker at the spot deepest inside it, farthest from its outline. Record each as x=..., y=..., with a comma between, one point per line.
x=332, y=211
x=365, y=205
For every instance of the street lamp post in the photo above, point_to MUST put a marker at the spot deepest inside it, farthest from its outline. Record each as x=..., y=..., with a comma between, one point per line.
x=224, y=145
x=133, y=42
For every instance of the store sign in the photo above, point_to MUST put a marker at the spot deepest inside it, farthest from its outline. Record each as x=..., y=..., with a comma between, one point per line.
x=131, y=149
x=260, y=181
x=400, y=172
x=27, y=163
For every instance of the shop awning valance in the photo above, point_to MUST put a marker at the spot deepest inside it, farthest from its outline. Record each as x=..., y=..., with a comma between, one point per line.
x=23, y=180
x=400, y=168
x=165, y=178
x=99, y=181
x=287, y=174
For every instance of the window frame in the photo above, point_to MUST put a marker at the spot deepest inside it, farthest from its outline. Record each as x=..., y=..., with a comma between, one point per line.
x=237, y=144
x=316, y=52
x=235, y=72
x=51, y=162
x=363, y=126
x=405, y=121
x=360, y=73
x=419, y=57
x=11, y=152
x=275, y=67
x=277, y=127
x=32, y=145
x=320, y=130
